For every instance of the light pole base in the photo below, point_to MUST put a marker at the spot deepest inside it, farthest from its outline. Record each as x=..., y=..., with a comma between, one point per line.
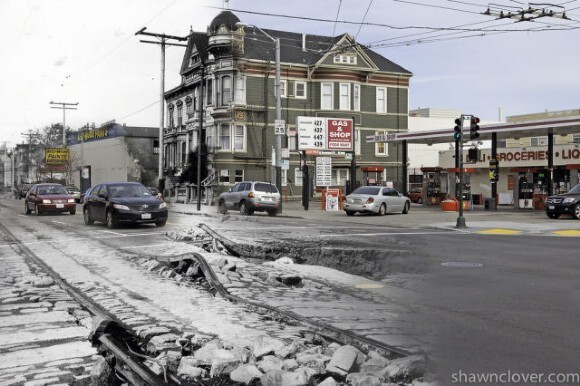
x=460, y=223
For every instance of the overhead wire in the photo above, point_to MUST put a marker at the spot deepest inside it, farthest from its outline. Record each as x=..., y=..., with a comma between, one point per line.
x=364, y=18
x=337, y=13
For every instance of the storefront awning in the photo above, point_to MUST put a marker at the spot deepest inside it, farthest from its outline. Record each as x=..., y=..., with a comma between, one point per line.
x=373, y=169
x=573, y=167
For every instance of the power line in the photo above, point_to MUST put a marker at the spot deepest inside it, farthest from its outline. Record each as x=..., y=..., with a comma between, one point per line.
x=364, y=18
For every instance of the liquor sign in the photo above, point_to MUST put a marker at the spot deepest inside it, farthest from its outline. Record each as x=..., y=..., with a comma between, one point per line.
x=56, y=156
x=318, y=133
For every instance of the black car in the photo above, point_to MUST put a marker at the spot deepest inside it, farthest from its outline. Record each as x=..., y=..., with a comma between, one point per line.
x=568, y=203
x=119, y=202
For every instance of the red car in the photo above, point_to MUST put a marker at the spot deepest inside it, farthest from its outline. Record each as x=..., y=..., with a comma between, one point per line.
x=53, y=198
x=416, y=195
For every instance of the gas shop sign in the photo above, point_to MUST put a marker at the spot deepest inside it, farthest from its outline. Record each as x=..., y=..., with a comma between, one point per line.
x=56, y=156
x=318, y=133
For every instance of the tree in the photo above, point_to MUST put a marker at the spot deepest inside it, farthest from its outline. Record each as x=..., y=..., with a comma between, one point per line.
x=190, y=171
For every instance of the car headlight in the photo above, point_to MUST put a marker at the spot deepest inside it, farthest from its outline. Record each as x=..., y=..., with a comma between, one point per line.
x=71, y=200
x=46, y=201
x=163, y=205
x=122, y=207
x=569, y=199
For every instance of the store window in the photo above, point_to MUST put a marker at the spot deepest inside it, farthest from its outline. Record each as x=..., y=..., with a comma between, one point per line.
x=539, y=141
x=339, y=177
x=297, y=176
x=326, y=96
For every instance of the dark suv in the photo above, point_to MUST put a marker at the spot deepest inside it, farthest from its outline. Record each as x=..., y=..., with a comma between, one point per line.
x=117, y=202
x=249, y=197
x=567, y=203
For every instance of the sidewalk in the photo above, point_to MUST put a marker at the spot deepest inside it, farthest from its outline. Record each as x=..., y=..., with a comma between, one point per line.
x=504, y=220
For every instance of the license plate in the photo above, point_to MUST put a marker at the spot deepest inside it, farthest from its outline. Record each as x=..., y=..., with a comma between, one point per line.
x=59, y=206
x=145, y=216
x=269, y=199
x=551, y=207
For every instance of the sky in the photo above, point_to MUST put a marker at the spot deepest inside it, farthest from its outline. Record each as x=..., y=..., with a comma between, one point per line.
x=86, y=52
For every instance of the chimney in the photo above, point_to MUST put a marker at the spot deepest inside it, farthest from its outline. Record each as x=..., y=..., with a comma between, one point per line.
x=303, y=42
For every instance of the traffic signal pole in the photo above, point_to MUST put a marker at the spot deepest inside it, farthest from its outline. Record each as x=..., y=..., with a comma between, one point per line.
x=460, y=125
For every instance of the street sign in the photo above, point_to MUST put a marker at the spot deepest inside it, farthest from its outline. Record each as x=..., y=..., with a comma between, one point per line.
x=279, y=127
x=318, y=133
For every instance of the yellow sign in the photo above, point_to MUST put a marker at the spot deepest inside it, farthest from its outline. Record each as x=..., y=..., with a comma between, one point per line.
x=56, y=156
x=87, y=135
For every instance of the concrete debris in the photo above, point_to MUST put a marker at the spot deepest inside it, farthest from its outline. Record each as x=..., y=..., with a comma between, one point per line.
x=245, y=374
x=43, y=282
x=359, y=379
x=224, y=366
x=163, y=342
x=280, y=261
x=342, y=361
x=270, y=363
x=312, y=360
x=188, y=369
x=405, y=369
x=265, y=345
x=102, y=373
x=198, y=340
x=328, y=382
x=288, y=350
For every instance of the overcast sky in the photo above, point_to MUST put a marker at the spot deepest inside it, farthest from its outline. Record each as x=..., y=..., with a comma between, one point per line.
x=87, y=52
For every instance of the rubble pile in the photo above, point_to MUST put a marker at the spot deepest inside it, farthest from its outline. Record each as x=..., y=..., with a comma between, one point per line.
x=267, y=361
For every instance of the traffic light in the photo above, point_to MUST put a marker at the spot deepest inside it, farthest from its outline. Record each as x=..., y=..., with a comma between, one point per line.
x=474, y=128
x=457, y=129
x=472, y=155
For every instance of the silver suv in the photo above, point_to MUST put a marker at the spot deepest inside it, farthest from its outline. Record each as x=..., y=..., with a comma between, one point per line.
x=249, y=197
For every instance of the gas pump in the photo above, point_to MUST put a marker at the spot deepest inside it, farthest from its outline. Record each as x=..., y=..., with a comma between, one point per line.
x=525, y=194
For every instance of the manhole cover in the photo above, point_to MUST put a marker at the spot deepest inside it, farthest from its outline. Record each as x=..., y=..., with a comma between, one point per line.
x=461, y=264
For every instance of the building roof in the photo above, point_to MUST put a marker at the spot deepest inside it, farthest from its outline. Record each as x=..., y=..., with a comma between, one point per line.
x=226, y=18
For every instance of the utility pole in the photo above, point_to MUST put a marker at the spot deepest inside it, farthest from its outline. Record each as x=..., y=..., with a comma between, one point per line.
x=64, y=106
x=31, y=135
x=163, y=38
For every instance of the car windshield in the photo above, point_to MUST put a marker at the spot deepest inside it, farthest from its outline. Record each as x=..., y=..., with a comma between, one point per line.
x=128, y=190
x=267, y=188
x=575, y=189
x=369, y=190
x=53, y=189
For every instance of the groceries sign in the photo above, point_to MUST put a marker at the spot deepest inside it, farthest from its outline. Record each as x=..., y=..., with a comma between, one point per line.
x=317, y=133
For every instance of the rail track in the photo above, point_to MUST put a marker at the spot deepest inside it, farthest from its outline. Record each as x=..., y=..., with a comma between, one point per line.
x=121, y=343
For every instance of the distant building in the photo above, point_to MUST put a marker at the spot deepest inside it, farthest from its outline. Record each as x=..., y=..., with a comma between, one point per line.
x=6, y=179
x=114, y=152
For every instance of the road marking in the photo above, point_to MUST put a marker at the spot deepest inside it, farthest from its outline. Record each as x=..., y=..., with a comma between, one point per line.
x=59, y=222
x=387, y=234
x=499, y=231
x=114, y=233
x=569, y=233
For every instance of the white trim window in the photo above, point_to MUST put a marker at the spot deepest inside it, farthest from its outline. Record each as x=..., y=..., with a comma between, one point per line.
x=576, y=138
x=381, y=148
x=357, y=143
x=381, y=100
x=224, y=138
x=209, y=92
x=356, y=97
x=240, y=90
x=224, y=177
x=300, y=90
x=539, y=141
x=297, y=176
x=226, y=90
x=344, y=99
x=339, y=177
x=239, y=175
x=284, y=177
x=283, y=88
x=327, y=96
x=239, y=138
x=210, y=137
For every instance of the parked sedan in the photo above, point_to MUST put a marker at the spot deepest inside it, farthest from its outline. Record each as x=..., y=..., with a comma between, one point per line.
x=123, y=202
x=54, y=198
x=567, y=203
x=75, y=192
x=376, y=199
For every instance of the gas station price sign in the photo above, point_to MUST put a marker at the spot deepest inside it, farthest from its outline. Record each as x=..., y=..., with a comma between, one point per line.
x=319, y=133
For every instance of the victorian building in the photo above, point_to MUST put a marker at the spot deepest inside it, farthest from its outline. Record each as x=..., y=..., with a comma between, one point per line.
x=227, y=90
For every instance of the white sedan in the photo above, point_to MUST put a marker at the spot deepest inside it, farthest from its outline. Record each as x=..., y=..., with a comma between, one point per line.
x=376, y=199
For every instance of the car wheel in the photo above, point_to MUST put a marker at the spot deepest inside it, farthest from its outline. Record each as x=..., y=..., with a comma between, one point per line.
x=26, y=208
x=406, y=208
x=272, y=213
x=111, y=223
x=160, y=223
x=245, y=210
x=38, y=211
x=87, y=217
x=222, y=209
x=553, y=215
x=382, y=210
x=349, y=213
x=577, y=211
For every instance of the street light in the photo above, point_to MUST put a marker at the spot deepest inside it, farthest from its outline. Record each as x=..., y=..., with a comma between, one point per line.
x=278, y=144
